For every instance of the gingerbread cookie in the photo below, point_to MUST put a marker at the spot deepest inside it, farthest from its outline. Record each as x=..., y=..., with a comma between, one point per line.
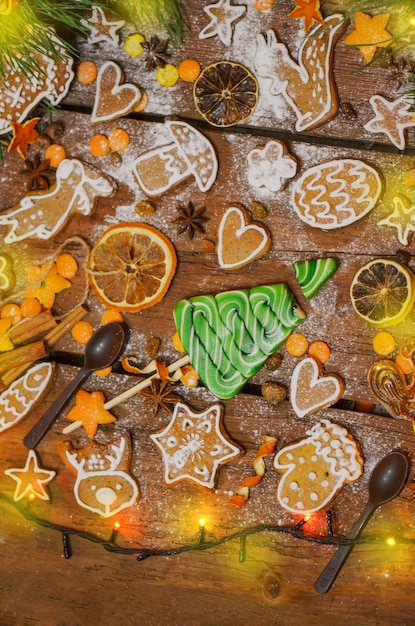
x=310, y=391
x=308, y=87
x=42, y=213
x=190, y=155
x=195, y=445
x=101, y=29
x=316, y=468
x=31, y=479
x=24, y=393
x=270, y=166
x=240, y=241
x=223, y=16
x=336, y=193
x=103, y=484
x=49, y=79
x=392, y=118
x=113, y=97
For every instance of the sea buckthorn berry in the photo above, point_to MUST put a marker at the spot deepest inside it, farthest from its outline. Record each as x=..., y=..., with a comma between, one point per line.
x=189, y=70
x=384, y=343
x=189, y=376
x=296, y=344
x=67, y=265
x=111, y=315
x=82, y=331
x=320, y=351
x=133, y=45
x=30, y=307
x=99, y=145
x=11, y=310
x=87, y=72
x=167, y=76
x=55, y=153
x=118, y=139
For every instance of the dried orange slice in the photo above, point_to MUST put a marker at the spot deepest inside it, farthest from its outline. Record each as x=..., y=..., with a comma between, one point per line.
x=225, y=93
x=383, y=292
x=131, y=266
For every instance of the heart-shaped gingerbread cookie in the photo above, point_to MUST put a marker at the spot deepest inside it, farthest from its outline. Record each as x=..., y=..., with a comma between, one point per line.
x=310, y=390
x=113, y=97
x=240, y=241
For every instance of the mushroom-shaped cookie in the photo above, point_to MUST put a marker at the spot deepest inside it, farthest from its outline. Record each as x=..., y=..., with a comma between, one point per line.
x=165, y=167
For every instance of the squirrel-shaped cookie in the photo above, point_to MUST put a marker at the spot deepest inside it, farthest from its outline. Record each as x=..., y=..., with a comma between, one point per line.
x=307, y=86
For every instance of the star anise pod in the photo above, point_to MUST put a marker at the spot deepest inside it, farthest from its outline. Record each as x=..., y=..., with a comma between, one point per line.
x=160, y=396
x=37, y=173
x=190, y=220
x=157, y=55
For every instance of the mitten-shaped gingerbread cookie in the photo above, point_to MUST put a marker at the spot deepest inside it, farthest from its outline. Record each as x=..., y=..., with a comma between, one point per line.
x=317, y=467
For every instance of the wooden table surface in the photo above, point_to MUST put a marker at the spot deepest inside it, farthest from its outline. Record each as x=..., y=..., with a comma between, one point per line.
x=274, y=583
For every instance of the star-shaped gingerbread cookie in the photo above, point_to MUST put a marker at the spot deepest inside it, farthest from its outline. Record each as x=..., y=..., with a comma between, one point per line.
x=392, y=117
x=31, y=479
x=402, y=218
x=101, y=28
x=222, y=15
x=194, y=445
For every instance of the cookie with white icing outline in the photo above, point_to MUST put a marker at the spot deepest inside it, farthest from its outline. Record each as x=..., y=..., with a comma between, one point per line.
x=311, y=390
x=240, y=240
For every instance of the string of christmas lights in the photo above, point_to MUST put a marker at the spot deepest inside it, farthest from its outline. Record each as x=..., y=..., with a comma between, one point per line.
x=201, y=544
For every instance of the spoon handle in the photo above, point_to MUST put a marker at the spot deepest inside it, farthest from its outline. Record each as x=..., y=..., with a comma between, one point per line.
x=40, y=429
x=333, y=567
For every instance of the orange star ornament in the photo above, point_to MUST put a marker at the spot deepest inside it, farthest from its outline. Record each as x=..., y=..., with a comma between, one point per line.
x=23, y=135
x=369, y=34
x=309, y=10
x=89, y=410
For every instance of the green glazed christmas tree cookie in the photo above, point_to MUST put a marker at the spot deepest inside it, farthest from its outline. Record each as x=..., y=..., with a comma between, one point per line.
x=312, y=274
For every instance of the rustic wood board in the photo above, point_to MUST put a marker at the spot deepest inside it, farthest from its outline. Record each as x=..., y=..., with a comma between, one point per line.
x=274, y=584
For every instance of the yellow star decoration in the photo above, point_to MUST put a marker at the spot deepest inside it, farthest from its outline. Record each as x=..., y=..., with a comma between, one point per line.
x=370, y=33
x=89, y=410
x=23, y=135
x=402, y=218
x=31, y=479
x=309, y=10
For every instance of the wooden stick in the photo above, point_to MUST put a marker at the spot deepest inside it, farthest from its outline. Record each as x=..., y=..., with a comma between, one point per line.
x=129, y=393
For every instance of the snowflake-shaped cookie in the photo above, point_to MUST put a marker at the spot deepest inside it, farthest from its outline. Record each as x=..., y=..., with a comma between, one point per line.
x=270, y=166
x=194, y=445
x=222, y=15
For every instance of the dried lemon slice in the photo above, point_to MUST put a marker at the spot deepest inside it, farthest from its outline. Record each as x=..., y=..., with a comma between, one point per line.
x=131, y=266
x=225, y=93
x=383, y=292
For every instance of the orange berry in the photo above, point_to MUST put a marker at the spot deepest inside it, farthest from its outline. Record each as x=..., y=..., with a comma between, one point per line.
x=55, y=153
x=177, y=344
x=118, y=139
x=11, y=310
x=30, y=307
x=296, y=344
x=384, y=343
x=111, y=315
x=82, y=331
x=99, y=145
x=320, y=351
x=67, y=265
x=189, y=70
x=405, y=364
x=142, y=104
x=105, y=371
x=87, y=72
x=189, y=376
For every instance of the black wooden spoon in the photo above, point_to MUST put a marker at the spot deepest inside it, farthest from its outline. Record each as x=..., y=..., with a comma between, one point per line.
x=102, y=350
x=386, y=482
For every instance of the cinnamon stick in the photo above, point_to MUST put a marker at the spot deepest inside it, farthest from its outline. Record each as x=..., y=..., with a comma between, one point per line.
x=32, y=328
x=23, y=355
